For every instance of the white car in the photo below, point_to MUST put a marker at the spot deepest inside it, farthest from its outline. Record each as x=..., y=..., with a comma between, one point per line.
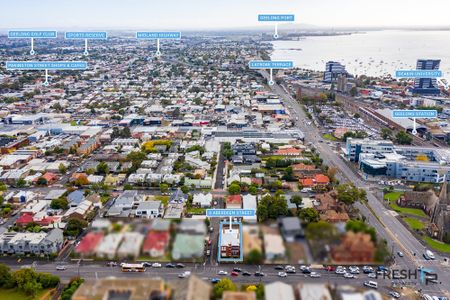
x=372, y=275
x=394, y=294
x=349, y=275
x=282, y=274
x=61, y=268
x=156, y=265
x=340, y=271
x=314, y=275
x=184, y=274
x=222, y=272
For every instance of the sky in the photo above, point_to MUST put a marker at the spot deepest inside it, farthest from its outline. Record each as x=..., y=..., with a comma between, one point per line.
x=217, y=14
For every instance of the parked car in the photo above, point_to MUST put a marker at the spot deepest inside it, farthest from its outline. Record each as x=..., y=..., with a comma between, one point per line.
x=371, y=284
x=314, y=275
x=239, y=270
x=180, y=266
x=246, y=273
x=282, y=274
x=184, y=274
x=215, y=280
x=111, y=264
x=156, y=265
x=170, y=265
x=400, y=253
x=279, y=268
x=222, y=272
x=234, y=273
x=349, y=275
x=61, y=268
x=394, y=294
x=259, y=274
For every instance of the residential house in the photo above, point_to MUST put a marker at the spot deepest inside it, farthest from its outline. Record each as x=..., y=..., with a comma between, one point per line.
x=108, y=246
x=156, y=243
x=202, y=200
x=279, y=290
x=131, y=245
x=149, y=209
x=313, y=291
x=234, y=202
x=88, y=245
x=354, y=248
x=249, y=202
x=75, y=198
x=291, y=229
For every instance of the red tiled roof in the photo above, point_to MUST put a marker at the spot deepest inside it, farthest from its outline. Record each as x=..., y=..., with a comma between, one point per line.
x=156, y=240
x=89, y=243
x=234, y=199
x=322, y=179
x=289, y=151
x=307, y=182
x=25, y=219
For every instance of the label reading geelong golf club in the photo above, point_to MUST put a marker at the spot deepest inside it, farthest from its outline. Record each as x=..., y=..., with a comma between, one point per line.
x=418, y=74
x=32, y=34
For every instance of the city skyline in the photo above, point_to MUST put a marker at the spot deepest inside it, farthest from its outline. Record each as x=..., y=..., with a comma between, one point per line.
x=204, y=14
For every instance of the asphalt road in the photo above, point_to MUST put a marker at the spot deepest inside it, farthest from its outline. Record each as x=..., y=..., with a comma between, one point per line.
x=388, y=227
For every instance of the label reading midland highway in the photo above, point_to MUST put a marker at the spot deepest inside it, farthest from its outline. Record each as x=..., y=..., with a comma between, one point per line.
x=35, y=34
x=86, y=35
x=269, y=64
x=153, y=35
x=276, y=18
x=46, y=65
x=418, y=73
x=414, y=113
x=230, y=212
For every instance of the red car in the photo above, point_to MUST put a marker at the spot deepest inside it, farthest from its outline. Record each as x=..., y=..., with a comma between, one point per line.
x=331, y=268
x=234, y=273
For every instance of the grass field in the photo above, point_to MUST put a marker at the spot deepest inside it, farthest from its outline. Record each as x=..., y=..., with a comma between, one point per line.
x=436, y=245
x=12, y=294
x=330, y=137
x=414, y=223
x=393, y=197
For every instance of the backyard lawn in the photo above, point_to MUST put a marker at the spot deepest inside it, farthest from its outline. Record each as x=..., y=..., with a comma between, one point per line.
x=13, y=294
x=393, y=197
x=330, y=137
x=414, y=223
x=436, y=245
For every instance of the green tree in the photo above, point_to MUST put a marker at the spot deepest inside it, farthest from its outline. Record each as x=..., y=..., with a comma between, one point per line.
x=320, y=231
x=288, y=174
x=41, y=181
x=225, y=284
x=21, y=183
x=234, y=189
x=309, y=215
x=403, y=138
x=353, y=91
x=3, y=187
x=27, y=281
x=164, y=188
x=349, y=194
x=102, y=168
x=75, y=226
x=360, y=226
x=60, y=203
x=254, y=257
x=253, y=190
x=62, y=168
x=386, y=133
x=185, y=189
x=5, y=276
x=297, y=200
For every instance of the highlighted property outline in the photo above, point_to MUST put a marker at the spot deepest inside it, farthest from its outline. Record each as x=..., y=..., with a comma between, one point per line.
x=241, y=253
